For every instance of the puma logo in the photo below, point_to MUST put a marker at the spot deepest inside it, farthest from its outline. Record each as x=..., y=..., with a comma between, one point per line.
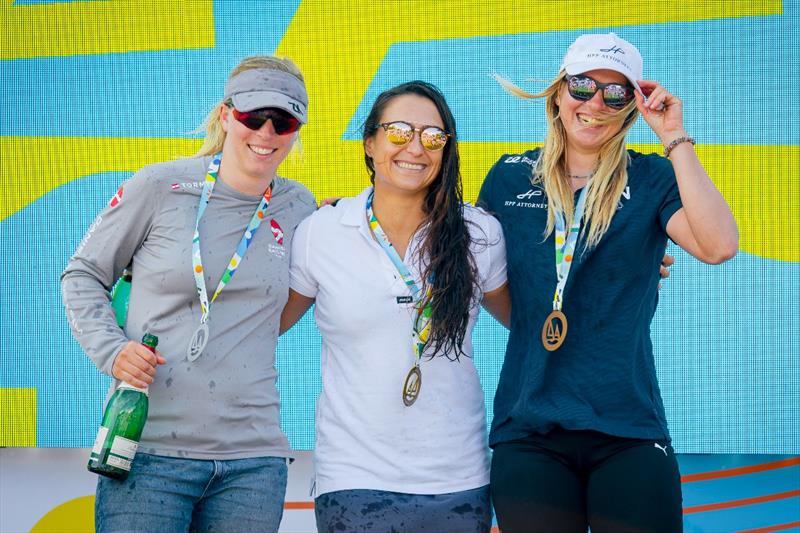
x=662, y=448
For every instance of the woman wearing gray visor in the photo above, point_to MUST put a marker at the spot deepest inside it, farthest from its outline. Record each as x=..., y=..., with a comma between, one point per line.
x=209, y=239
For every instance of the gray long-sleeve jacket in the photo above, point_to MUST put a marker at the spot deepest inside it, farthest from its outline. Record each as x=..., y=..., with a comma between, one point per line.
x=225, y=404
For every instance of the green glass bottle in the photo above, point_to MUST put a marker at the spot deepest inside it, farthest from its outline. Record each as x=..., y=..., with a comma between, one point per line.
x=120, y=295
x=123, y=422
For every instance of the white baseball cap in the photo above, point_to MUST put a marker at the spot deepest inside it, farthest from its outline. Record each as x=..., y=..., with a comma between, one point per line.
x=604, y=51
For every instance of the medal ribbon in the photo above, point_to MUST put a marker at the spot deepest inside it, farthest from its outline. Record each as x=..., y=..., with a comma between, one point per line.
x=422, y=322
x=241, y=249
x=565, y=247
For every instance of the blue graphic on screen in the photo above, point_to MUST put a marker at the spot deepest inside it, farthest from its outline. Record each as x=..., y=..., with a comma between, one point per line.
x=726, y=337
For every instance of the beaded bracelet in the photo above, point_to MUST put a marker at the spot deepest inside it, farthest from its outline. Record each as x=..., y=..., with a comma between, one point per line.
x=675, y=143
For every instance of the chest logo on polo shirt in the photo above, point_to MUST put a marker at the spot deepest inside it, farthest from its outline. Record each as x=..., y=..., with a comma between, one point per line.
x=277, y=231
x=276, y=248
x=532, y=198
x=535, y=198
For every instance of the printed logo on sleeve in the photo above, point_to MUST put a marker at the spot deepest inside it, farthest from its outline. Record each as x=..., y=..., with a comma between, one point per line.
x=92, y=228
x=116, y=199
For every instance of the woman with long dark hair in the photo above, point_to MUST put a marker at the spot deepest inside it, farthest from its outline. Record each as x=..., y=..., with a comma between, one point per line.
x=398, y=274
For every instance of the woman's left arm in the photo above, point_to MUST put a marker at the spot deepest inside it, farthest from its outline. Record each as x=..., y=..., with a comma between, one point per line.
x=705, y=226
x=296, y=306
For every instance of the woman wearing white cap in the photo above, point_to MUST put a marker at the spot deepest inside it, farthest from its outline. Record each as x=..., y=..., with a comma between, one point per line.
x=212, y=455
x=579, y=432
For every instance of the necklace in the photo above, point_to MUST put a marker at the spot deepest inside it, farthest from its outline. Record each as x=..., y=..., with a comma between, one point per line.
x=584, y=177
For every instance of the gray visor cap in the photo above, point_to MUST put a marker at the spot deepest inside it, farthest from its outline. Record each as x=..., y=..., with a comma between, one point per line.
x=258, y=88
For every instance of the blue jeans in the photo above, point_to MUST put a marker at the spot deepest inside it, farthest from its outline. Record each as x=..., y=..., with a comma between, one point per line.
x=167, y=494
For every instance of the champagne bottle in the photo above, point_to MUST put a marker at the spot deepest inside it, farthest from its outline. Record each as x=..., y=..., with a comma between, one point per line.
x=123, y=422
x=120, y=294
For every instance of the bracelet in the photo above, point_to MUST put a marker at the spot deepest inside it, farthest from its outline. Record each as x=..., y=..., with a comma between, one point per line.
x=671, y=146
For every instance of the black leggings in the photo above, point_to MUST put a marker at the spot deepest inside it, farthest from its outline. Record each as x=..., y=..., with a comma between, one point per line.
x=566, y=481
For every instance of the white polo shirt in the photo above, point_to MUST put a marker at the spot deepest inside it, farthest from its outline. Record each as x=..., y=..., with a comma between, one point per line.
x=366, y=437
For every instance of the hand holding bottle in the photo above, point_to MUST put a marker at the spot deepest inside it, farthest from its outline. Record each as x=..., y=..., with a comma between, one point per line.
x=124, y=416
x=136, y=364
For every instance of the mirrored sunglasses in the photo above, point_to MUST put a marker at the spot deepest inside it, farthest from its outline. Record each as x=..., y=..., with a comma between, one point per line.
x=400, y=133
x=283, y=122
x=583, y=88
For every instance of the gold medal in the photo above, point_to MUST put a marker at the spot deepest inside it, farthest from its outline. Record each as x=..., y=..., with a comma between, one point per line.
x=554, y=331
x=412, y=386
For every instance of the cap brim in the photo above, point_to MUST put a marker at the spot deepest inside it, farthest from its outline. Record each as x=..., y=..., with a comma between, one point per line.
x=585, y=66
x=251, y=100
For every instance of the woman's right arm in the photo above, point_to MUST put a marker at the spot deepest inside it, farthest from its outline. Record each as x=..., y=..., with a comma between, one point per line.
x=105, y=250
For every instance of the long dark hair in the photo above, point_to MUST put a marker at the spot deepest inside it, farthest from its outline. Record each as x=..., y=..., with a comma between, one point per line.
x=444, y=255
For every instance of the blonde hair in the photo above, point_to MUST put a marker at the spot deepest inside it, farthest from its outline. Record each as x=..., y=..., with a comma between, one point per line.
x=609, y=180
x=215, y=135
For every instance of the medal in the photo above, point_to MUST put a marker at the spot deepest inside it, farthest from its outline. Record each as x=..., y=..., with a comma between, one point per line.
x=200, y=337
x=412, y=386
x=421, y=326
x=554, y=331
x=198, y=342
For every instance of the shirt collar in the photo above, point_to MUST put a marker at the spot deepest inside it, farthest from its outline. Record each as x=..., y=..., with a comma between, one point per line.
x=356, y=209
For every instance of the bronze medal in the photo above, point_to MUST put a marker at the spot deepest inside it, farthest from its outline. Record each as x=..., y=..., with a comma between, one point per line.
x=412, y=386
x=554, y=331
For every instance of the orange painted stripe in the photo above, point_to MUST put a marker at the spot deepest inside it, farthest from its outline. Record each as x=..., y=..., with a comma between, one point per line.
x=298, y=505
x=742, y=502
x=730, y=472
x=777, y=527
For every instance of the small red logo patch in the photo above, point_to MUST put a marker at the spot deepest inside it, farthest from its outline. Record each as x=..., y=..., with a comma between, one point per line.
x=276, y=231
x=116, y=199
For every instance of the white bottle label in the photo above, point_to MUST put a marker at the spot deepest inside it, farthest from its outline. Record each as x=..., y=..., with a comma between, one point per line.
x=124, y=447
x=98, y=442
x=118, y=462
x=123, y=385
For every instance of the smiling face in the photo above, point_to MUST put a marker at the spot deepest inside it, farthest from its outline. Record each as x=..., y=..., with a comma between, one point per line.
x=407, y=169
x=252, y=154
x=579, y=117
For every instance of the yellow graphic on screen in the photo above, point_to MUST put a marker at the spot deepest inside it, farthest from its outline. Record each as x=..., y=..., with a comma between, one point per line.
x=104, y=27
x=49, y=162
x=759, y=182
x=344, y=52
x=18, y=417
